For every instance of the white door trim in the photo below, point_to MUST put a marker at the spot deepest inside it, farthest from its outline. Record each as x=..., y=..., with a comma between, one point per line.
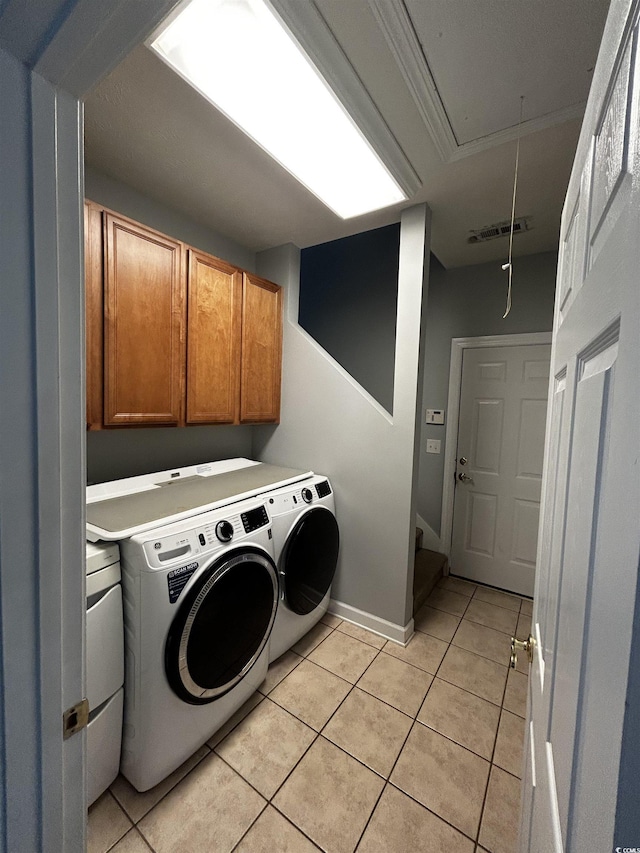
x=458, y=346
x=42, y=466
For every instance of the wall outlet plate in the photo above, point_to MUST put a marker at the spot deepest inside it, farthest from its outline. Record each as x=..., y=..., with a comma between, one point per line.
x=434, y=416
x=433, y=445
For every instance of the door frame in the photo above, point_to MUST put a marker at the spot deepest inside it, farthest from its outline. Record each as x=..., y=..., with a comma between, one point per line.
x=458, y=346
x=62, y=51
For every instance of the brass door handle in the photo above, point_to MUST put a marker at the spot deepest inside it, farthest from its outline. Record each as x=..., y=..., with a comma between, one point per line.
x=521, y=645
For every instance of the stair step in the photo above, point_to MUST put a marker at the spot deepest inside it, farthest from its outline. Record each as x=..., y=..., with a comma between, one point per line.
x=429, y=567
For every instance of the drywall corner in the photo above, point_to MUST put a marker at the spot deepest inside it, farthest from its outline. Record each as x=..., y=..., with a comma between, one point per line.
x=331, y=425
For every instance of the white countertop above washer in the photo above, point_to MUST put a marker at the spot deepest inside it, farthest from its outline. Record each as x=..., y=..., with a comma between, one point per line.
x=123, y=508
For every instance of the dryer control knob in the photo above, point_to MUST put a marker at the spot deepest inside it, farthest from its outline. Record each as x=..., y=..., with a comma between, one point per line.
x=307, y=495
x=224, y=531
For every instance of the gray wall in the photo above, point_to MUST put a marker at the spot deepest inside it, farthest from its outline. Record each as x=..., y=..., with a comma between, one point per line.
x=116, y=453
x=348, y=303
x=328, y=424
x=112, y=454
x=122, y=198
x=470, y=302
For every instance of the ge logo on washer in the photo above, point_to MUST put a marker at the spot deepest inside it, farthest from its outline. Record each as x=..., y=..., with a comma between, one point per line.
x=157, y=546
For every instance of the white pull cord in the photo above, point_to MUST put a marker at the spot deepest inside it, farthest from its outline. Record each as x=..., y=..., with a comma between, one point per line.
x=509, y=265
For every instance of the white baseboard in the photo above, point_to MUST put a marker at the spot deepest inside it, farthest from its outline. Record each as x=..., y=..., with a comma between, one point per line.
x=430, y=538
x=389, y=630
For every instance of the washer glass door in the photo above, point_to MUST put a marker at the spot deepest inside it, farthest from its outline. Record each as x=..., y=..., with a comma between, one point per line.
x=309, y=560
x=222, y=625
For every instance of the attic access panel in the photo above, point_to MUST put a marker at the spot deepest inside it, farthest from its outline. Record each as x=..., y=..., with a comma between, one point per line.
x=484, y=56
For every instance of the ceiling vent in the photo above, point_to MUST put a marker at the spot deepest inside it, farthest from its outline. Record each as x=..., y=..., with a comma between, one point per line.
x=500, y=229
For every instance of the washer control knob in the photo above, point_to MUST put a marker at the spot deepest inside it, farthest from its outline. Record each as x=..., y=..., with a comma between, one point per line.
x=307, y=495
x=224, y=531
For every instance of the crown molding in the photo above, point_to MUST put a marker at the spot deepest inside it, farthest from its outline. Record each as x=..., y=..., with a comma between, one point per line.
x=397, y=27
x=398, y=30
x=306, y=24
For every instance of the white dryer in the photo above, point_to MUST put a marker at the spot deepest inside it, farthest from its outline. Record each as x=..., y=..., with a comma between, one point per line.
x=105, y=666
x=200, y=602
x=306, y=540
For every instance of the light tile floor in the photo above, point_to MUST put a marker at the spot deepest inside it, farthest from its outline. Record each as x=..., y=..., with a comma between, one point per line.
x=355, y=743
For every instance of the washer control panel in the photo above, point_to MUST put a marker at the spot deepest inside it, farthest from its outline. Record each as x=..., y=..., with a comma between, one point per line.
x=254, y=519
x=299, y=496
x=183, y=546
x=323, y=489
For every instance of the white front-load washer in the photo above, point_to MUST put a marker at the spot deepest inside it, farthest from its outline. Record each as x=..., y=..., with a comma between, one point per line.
x=104, y=665
x=306, y=541
x=200, y=601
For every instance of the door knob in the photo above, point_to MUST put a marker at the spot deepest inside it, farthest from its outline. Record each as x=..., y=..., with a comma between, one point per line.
x=523, y=646
x=465, y=478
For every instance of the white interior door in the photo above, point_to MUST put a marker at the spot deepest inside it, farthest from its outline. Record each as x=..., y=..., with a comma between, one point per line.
x=589, y=535
x=501, y=427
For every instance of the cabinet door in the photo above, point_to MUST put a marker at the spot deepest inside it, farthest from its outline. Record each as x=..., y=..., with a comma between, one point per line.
x=261, y=350
x=144, y=309
x=93, y=312
x=213, y=340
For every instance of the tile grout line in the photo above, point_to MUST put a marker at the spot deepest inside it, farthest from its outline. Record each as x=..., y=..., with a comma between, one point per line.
x=431, y=811
x=414, y=718
x=118, y=840
x=477, y=834
x=141, y=793
x=212, y=750
x=265, y=695
x=250, y=827
x=317, y=734
x=397, y=758
x=345, y=752
x=416, y=721
x=492, y=764
x=372, y=812
x=387, y=779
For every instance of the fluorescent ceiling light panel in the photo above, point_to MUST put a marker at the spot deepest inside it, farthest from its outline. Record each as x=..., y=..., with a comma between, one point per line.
x=241, y=58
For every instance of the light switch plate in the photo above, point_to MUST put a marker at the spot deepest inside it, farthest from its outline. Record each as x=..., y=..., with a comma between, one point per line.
x=434, y=416
x=433, y=445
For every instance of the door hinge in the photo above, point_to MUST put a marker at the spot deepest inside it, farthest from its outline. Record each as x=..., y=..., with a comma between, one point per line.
x=75, y=718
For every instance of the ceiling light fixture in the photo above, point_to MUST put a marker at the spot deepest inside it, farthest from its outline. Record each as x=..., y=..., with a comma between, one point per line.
x=241, y=58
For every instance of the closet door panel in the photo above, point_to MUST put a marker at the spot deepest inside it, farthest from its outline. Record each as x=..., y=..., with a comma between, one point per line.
x=213, y=340
x=144, y=309
x=261, y=350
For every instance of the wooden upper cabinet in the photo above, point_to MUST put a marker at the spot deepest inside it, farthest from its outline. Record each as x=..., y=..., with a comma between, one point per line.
x=144, y=318
x=261, y=350
x=93, y=312
x=175, y=336
x=213, y=340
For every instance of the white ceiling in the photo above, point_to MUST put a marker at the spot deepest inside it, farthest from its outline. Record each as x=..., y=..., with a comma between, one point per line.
x=511, y=48
x=146, y=127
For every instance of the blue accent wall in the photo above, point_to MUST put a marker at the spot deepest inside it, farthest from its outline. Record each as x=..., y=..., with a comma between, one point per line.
x=348, y=304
